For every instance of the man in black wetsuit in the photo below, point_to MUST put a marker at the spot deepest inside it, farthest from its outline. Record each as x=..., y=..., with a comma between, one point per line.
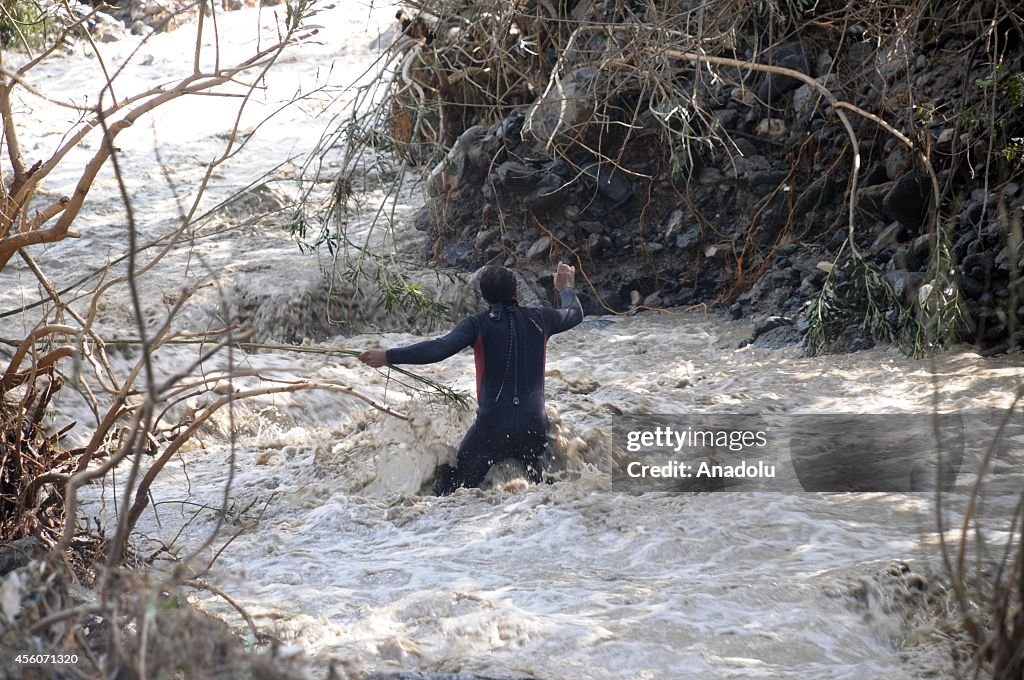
x=510, y=344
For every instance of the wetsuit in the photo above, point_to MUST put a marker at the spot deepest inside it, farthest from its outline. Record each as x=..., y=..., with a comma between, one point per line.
x=510, y=344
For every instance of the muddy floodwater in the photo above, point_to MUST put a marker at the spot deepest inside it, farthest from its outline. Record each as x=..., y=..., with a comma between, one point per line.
x=332, y=546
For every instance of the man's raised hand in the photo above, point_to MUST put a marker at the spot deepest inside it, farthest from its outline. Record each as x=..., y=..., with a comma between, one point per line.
x=565, y=276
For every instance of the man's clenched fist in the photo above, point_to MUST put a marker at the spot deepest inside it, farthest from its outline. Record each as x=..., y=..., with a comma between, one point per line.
x=565, y=277
x=374, y=357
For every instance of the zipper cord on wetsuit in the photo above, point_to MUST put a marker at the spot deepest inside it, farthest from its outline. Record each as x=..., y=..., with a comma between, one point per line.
x=515, y=368
x=508, y=360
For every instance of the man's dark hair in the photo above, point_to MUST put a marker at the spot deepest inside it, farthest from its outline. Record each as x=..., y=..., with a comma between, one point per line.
x=497, y=284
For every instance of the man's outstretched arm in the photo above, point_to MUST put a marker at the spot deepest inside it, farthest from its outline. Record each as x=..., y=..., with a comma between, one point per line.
x=570, y=313
x=426, y=352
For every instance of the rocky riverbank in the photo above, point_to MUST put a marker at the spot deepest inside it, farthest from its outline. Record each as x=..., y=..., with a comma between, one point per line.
x=111, y=21
x=750, y=213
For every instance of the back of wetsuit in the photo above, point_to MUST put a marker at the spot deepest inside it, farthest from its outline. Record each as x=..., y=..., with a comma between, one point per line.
x=510, y=345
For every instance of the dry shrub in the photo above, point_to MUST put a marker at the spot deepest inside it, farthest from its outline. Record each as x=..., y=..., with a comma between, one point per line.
x=32, y=464
x=134, y=629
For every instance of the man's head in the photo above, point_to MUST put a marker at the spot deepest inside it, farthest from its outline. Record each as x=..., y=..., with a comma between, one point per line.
x=497, y=284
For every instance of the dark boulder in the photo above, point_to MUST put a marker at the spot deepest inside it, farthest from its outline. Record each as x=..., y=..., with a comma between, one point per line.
x=909, y=200
x=871, y=201
x=775, y=86
x=610, y=183
x=517, y=177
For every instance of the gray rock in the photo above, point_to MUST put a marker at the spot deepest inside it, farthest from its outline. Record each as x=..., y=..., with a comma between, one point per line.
x=688, y=239
x=893, y=59
x=540, y=247
x=959, y=250
x=683, y=295
x=859, y=53
x=516, y=176
x=486, y=237
x=772, y=128
x=838, y=238
x=747, y=165
x=804, y=100
x=653, y=300
x=808, y=287
x=110, y=35
x=767, y=180
x=909, y=200
x=551, y=193
x=779, y=337
x=611, y=184
x=994, y=333
x=904, y=284
x=465, y=154
x=717, y=251
x=897, y=161
x=817, y=199
x=774, y=86
x=744, y=96
x=672, y=225
x=770, y=322
x=710, y=177
x=807, y=98
x=146, y=10
x=458, y=254
x=982, y=260
x=980, y=195
x=857, y=343
x=876, y=175
x=871, y=201
x=260, y=200
x=567, y=104
x=921, y=245
x=725, y=117
x=901, y=259
x=887, y=239
x=107, y=29
x=1002, y=260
